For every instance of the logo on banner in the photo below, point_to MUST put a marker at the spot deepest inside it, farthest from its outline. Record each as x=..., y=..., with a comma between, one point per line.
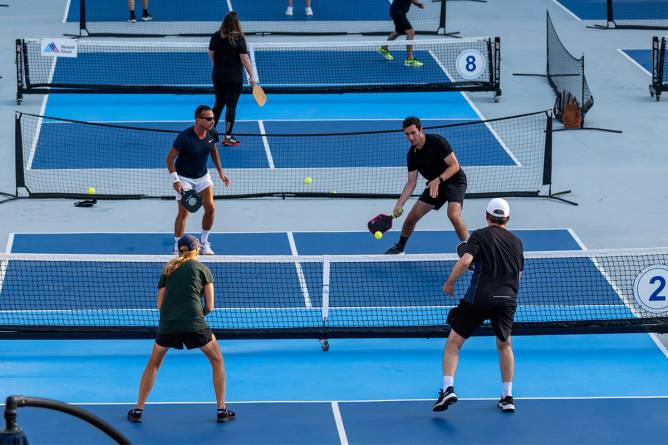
x=59, y=47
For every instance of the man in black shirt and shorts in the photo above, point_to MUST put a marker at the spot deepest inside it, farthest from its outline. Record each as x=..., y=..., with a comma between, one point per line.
x=398, y=11
x=499, y=260
x=431, y=156
x=191, y=150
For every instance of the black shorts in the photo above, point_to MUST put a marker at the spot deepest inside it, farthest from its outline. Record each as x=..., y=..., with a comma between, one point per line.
x=466, y=318
x=446, y=192
x=192, y=340
x=401, y=23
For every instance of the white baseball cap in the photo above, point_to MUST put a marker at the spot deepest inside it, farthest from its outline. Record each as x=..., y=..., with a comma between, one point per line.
x=498, y=207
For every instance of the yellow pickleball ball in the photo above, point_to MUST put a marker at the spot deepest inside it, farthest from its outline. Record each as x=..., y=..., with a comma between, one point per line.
x=308, y=180
x=378, y=235
x=91, y=190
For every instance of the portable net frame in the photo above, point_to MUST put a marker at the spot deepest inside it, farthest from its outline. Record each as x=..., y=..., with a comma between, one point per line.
x=659, y=83
x=330, y=296
x=636, y=14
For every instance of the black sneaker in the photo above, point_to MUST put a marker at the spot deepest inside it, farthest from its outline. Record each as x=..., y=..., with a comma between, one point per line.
x=445, y=399
x=134, y=415
x=225, y=415
x=507, y=404
x=146, y=17
x=397, y=249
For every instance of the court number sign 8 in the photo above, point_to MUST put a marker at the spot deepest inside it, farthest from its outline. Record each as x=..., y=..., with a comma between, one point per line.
x=651, y=288
x=471, y=64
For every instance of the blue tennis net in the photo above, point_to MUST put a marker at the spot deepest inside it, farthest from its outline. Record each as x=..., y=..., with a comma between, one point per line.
x=331, y=296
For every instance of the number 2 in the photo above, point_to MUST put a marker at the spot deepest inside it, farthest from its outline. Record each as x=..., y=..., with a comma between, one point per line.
x=662, y=284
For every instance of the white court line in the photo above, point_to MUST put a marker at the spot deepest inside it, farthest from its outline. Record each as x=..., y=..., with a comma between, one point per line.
x=10, y=242
x=300, y=272
x=339, y=424
x=633, y=61
x=491, y=130
x=229, y=5
x=571, y=13
x=265, y=143
x=42, y=109
x=67, y=8
x=577, y=239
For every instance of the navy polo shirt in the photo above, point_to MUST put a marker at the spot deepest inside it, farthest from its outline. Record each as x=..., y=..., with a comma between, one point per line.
x=193, y=152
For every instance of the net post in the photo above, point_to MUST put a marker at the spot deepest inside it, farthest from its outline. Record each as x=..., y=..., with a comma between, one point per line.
x=610, y=15
x=441, y=20
x=582, y=89
x=20, y=74
x=497, y=68
x=82, y=17
x=18, y=153
x=325, y=287
x=547, y=157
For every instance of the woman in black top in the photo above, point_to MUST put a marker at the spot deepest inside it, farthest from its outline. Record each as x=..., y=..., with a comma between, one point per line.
x=229, y=54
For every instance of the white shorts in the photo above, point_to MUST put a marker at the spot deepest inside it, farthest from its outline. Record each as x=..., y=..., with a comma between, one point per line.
x=198, y=184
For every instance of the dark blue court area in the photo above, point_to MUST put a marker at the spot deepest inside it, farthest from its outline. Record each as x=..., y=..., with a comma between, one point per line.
x=192, y=68
x=623, y=9
x=64, y=145
x=643, y=57
x=575, y=421
x=255, y=10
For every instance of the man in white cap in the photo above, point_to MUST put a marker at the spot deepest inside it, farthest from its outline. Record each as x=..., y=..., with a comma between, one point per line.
x=499, y=260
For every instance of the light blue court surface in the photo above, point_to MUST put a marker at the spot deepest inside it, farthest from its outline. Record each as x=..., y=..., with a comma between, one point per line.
x=300, y=107
x=250, y=10
x=272, y=243
x=587, y=367
x=57, y=149
x=623, y=9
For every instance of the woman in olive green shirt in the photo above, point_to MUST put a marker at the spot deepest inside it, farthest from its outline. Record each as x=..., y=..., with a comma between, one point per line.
x=182, y=285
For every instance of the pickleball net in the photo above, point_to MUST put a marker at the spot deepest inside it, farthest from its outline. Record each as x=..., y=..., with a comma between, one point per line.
x=331, y=296
x=60, y=158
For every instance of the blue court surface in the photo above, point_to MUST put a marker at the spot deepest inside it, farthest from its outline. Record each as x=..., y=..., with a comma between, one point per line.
x=623, y=9
x=250, y=10
x=643, y=59
x=569, y=389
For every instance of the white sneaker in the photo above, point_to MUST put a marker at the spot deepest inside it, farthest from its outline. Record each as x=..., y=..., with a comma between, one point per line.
x=206, y=249
x=288, y=11
x=308, y=11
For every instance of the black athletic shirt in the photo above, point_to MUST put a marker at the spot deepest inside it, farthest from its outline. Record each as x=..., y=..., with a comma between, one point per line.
x=227, y=65
x=499, y=257
x=401, y=5
x=428, y=160
x=193, y=152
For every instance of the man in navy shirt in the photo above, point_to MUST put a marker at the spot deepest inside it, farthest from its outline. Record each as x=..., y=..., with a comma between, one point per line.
x=191, y=150
x=398, y=11
x=499, y=260
x=432, y=157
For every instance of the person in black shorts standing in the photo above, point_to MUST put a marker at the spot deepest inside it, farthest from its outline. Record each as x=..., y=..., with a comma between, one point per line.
x=498, y=257
x=187, y=166
x=431, y=156
x=184, y=283
x=229, y=54
x=398, y=11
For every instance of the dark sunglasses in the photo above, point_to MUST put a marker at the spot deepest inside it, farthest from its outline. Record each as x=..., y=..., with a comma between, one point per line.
x=208, y=118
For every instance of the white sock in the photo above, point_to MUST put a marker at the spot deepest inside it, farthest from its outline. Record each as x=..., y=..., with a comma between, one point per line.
x=507, y=389
x=176, y=241
x=205, y=236
x=448, y=380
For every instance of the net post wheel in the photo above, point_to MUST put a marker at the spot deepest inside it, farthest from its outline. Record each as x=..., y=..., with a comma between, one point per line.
x=378, y=234
x=91, y=190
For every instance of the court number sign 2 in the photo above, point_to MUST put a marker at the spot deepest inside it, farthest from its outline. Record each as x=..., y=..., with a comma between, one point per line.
x=651, y=288
x=471, y=64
